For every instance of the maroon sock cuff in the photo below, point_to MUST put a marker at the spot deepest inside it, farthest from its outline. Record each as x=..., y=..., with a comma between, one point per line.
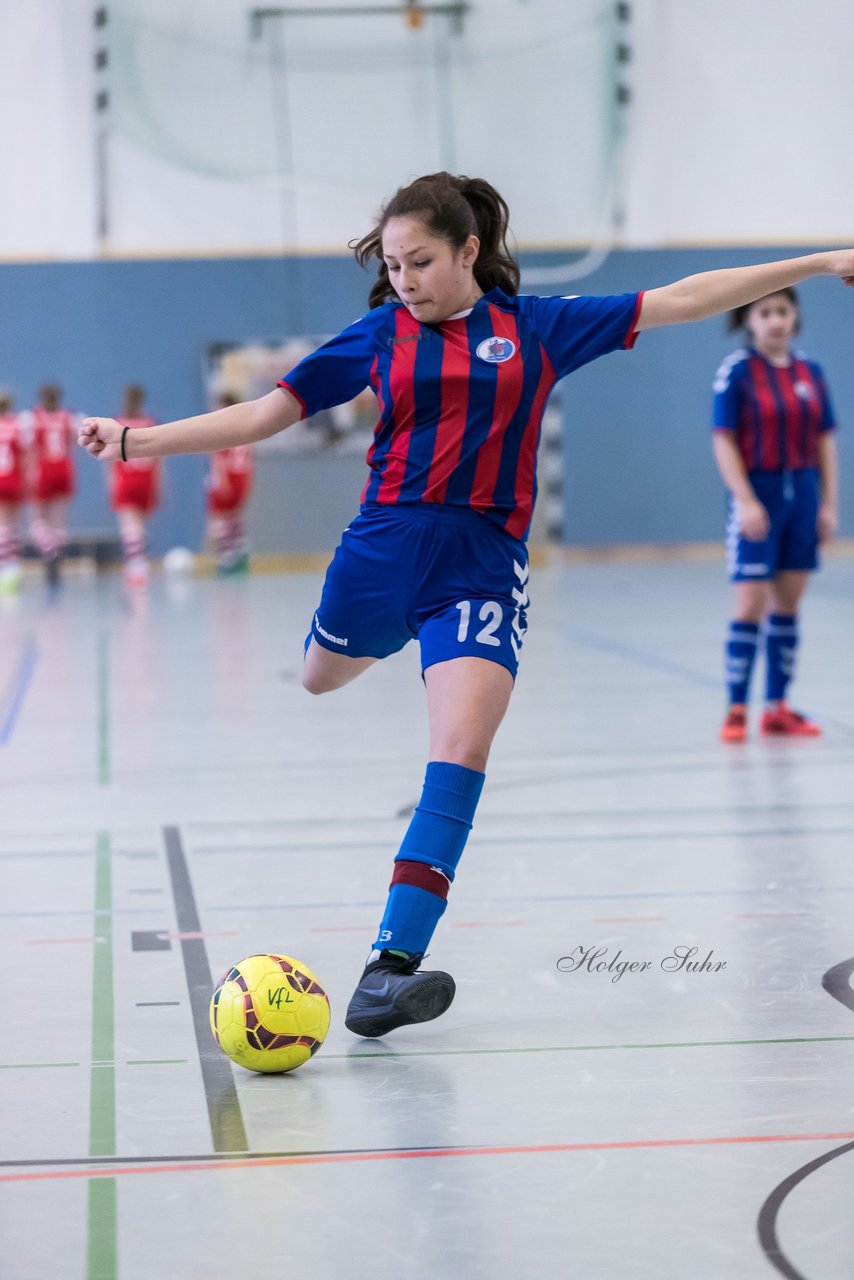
x=421, y=876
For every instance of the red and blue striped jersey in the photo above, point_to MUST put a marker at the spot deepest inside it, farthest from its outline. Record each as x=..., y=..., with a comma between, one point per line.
x=461, y=403
x=776, y=411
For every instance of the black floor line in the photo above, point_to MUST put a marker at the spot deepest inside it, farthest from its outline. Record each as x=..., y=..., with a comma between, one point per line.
x=226, y=1118
x=768, y=1214
x=837, y=983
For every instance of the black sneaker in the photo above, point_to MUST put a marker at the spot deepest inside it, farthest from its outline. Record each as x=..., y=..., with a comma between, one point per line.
x=392, y=994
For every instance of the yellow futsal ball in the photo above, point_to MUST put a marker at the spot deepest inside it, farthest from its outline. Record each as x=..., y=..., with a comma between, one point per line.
x=269, y=1013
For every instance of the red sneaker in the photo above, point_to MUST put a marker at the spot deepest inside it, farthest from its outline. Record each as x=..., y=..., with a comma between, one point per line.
x=783, y=721
x=734, y=728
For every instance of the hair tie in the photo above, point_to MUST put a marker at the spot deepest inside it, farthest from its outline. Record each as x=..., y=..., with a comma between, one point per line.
x=125, y=430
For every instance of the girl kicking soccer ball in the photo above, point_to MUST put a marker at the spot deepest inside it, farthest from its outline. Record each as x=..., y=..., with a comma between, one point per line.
x=461, y=366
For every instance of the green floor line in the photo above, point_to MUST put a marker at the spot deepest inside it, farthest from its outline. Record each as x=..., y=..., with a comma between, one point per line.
x=103, y=1251
x=591, y=1048
x=34, y=1066
x=101, y=1065
x=103, y=710
x=156, y=1062
x=102, y=1244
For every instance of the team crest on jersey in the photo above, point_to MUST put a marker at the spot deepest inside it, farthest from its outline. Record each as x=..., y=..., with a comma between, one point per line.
x=804, y=390
x=495, y=350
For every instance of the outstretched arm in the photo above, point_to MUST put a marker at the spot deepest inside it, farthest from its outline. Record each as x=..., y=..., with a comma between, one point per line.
x=710, y=292
x=238, y=424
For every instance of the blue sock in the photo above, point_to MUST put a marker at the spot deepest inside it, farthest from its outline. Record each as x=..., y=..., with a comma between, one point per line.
x=742, y=640
x=781, y=642
x=427, y=860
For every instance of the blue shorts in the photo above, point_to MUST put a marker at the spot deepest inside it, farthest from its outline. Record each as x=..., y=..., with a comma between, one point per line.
x=444, y=574
x=791, y=499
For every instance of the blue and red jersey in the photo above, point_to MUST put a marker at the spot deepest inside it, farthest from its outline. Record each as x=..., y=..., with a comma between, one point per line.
x=461, y=403
x=777, y=412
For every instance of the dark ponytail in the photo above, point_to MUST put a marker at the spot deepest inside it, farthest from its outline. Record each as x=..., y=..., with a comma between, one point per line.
x=736, y=318
x=452, y=208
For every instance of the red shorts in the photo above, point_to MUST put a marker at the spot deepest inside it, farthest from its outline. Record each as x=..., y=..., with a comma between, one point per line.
x=230, y=494
x=55, y=479
x=12, y=487
x=135, y=489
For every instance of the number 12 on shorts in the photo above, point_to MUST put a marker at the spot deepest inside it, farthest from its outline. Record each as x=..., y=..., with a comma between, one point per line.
x=490, y=613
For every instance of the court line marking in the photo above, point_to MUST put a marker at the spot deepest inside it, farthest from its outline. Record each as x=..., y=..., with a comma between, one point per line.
x=766, y=1224
x=630, y=920
x=837, y=983
x=32, y=1066
x=547, y=1048
x=116, y=911
x=156, y=1062
x=50, y=942
x=793, y=888
x=261, y=1160
x=528, y=838
x=591, y=1048
x=774, y=915
x=103, y=709
x=224, y=1113
x=655, y=894
x=101, y=1235
x=245, y=824
x=486, y=924
x=16, y=690
x=455, y=924
x=592, y=640
x=816, y=755
x=781, y=890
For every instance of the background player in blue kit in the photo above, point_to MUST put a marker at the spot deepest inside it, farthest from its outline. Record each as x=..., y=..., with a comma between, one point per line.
x=775, y=448
x=461, y=367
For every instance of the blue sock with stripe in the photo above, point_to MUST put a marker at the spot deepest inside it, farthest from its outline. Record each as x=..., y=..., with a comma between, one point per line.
x=781, y=643
x=741, y=644
x=427, y=860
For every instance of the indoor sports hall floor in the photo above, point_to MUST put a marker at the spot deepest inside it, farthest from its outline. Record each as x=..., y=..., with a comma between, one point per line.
x=172, y=801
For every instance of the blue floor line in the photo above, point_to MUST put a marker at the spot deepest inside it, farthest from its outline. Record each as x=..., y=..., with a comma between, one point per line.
x=14, y=699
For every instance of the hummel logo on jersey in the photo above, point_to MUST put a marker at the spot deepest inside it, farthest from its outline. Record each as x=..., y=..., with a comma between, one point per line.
x=495, y=350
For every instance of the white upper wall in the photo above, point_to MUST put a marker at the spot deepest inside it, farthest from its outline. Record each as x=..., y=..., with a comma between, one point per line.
x=741, y=128
x=47, y=206
x=221, y=143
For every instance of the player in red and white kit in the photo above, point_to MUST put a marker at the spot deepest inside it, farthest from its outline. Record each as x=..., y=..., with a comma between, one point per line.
x=228, y=488
x=52, y=437
x=135, y=493
x=13, y=451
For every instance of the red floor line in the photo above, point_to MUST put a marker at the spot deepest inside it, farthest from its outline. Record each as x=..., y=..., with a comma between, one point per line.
x=356, y=1157
x=457, y=924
